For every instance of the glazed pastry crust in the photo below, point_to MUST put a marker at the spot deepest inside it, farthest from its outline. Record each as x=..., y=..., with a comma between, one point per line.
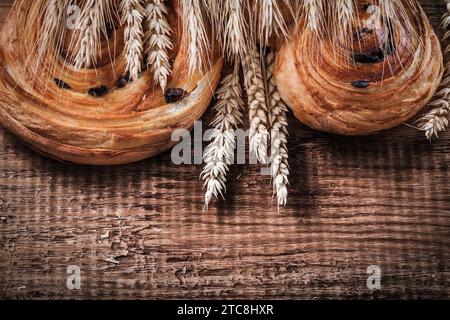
x=318, y=83
x=126, y=125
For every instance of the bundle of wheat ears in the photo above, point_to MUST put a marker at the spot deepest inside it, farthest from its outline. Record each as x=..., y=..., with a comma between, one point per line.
x=107, y=81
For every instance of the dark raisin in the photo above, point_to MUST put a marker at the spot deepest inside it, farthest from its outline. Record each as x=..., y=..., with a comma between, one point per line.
x=378, y=54
x=123, y=81
x=98, y=91
x=361, y=84
x=61, y=84
x=374, y=57
x=173, y=95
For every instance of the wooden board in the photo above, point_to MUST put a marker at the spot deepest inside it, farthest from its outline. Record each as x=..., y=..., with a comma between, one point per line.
x=139, y=231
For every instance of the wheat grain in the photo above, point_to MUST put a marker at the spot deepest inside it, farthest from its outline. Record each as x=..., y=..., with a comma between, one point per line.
x=219, y=154
x=278, y=134
x=255, y=87
x=197, y=39
x=131, y=17
x=436, y=121
x=157, y=41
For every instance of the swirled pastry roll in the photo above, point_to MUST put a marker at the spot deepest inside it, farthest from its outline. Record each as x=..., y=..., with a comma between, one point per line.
x=376, y=76
x=95, y=115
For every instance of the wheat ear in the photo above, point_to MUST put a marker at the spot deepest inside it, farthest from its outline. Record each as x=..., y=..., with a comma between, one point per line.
x=157, y=41
x=258, y=112
x=131, y=17
x=197, y=39
x=278, y=134
x=235, y=29
x=437, y=120
x=89, y=37
x=91, y=24
x=214, y=8
x=342, y=22
x=270, y=19
x=314, y=12
x=52, y=33
x=219, y=154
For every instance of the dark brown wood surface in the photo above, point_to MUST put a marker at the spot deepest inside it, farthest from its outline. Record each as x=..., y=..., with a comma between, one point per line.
x=139, y=231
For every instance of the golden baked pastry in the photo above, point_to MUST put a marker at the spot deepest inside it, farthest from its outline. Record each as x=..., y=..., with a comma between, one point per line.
x=376, y=77
x=94, y=115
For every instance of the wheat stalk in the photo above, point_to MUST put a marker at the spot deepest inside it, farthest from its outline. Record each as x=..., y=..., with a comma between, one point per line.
x=197, y=39
x=157, y=41
x=278, y=134
x=396, y=10
x=436, y=121
x=131, y=17
x=254, y=84
x=219, y=154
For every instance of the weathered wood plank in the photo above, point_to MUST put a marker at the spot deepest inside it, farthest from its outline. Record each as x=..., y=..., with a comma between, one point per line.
x=138, y=231
x=5, y=5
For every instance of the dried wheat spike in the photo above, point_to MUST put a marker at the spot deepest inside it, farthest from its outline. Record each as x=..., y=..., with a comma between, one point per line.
x=235, y=29
x=216, y=15
x=344, y=15
x=197, y=40
x=258, y=112
x=437, y=120
x=158, y=42
x=219, y=154
x=278, y=134
x=314, y=11
x=270, y=19
x=89, y=38
x=132, y=16
x=91, y=24
x=53, y=30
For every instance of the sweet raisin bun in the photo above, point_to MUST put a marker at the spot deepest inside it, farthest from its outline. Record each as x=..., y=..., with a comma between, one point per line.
x=375, y=77
x=95, y=115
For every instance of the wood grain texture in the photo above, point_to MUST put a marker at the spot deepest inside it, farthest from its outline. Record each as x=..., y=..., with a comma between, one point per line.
x=138, y=231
